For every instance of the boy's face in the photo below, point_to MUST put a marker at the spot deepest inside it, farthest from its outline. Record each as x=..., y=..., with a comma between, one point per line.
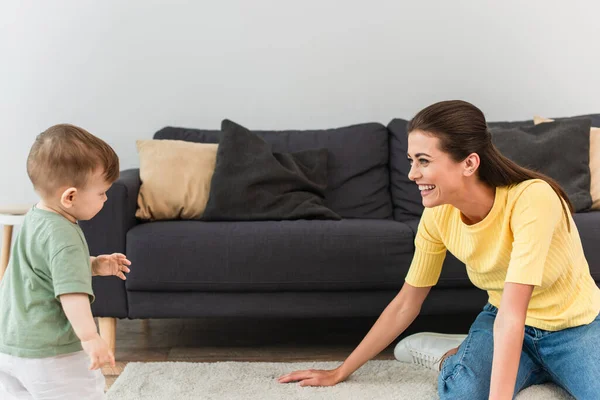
x=84, y=204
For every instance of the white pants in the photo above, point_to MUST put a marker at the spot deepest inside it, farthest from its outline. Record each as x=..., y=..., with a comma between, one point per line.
x=64, y=377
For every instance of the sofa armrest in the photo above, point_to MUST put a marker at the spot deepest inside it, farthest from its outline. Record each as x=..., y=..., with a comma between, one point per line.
x=106, y=234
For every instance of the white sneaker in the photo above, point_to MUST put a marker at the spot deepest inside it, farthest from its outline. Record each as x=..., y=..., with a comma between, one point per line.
x=426, y=348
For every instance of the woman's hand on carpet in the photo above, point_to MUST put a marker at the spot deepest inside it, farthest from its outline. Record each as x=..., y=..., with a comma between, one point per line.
x=313, y=377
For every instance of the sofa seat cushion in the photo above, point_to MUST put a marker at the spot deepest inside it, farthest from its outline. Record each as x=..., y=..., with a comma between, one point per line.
x=269, y=255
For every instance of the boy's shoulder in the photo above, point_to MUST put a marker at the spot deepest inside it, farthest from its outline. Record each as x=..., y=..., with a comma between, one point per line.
x=50, y=231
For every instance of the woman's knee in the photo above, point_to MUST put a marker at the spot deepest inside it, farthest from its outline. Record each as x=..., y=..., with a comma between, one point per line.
x=466, y=375
x=462, y=383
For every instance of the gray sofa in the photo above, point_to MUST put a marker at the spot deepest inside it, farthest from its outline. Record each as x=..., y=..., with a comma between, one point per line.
x=303, y=268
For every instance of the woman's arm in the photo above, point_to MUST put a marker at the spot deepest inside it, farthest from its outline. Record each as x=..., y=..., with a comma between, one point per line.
x=536, y=215
x=509, y=330
x=394, y=320
x=396, y=317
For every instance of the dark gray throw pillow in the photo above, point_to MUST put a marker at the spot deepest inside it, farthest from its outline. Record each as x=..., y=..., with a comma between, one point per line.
x=560, y=150
x=251, y=182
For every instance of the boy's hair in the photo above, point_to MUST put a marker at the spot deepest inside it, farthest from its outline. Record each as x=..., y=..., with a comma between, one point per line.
x=66, y=155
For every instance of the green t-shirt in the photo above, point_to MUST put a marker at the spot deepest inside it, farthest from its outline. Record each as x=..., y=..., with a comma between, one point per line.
x=50, y=257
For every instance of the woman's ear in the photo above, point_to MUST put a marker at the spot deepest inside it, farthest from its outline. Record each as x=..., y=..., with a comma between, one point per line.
x=471, y=164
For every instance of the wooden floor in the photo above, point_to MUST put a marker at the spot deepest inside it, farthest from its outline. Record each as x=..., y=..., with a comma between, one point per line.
x=241, y=339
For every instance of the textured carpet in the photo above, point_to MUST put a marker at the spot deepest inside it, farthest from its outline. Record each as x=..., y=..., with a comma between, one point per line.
x=244, y=380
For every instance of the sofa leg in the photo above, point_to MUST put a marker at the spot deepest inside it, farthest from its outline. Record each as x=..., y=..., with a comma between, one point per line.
x=108, y=331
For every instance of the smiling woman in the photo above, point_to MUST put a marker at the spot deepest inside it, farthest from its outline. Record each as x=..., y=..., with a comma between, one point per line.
x=511, y=227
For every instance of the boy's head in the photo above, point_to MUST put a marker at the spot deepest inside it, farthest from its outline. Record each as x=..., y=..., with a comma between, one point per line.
x=72, y=169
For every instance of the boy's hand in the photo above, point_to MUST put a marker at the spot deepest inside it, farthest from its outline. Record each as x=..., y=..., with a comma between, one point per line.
x=99, y=352
x=113, y=264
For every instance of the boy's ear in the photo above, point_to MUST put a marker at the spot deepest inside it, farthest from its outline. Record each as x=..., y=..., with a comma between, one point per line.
x=68, y=197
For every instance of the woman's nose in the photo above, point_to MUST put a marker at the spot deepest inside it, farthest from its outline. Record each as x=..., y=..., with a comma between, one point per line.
x=413, y=174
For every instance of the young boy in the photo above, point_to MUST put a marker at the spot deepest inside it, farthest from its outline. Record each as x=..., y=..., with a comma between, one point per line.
x=49, y=345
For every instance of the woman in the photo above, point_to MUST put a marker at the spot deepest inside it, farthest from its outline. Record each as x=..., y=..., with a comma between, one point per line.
x=512, y=227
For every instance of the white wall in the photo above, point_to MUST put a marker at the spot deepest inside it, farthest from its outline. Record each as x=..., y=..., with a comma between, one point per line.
x=124, y=69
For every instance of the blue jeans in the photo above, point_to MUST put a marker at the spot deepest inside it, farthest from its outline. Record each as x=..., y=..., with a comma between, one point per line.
x=569, y=358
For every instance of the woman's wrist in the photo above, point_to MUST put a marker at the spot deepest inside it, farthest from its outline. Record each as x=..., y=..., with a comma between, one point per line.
x=342, y=373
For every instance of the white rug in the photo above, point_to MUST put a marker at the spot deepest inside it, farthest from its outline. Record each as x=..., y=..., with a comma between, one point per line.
x=245, y=380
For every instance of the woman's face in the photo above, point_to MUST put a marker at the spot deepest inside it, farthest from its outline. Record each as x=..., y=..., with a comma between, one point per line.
x=440, y=179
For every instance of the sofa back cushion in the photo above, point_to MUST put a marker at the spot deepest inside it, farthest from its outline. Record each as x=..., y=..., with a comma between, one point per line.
x=357, y=170
x=406, y=197
x=594, y=161
x=560, y=150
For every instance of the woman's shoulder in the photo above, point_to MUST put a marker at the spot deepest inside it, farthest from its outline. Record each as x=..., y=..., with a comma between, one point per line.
x=536, y=191
x=529, y=186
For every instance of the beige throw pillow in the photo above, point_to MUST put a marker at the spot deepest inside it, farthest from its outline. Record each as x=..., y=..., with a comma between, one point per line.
x=175, y=178
x=594, y=162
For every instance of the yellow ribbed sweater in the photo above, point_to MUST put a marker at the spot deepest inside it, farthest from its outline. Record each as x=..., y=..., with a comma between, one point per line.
x=524, y=239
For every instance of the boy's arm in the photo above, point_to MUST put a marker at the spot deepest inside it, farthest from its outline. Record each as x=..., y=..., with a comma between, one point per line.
x=110, y=264
x=92, y=259
x=79, y=313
